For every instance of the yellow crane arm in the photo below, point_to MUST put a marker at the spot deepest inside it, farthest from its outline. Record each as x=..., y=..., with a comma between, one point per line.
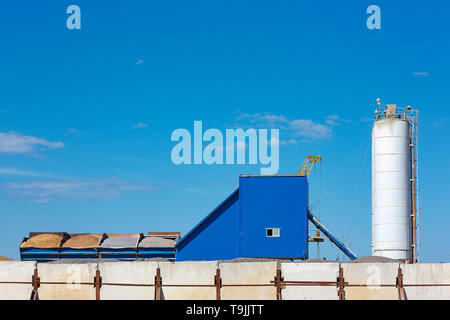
x=308, y=163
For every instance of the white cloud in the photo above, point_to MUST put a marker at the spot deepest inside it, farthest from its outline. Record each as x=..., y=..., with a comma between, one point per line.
x=421, y=74
x=7, y=171
x=239, y=145
x=140, y=125
x=266, y=120
x=15, y=143
x=195, y=190
x=43, y=200
x=46, y=191
x=295, y=128
x=442, y=122
x=75, y=131
x=335, y=120
x=310, y=129
x=275, y=142
x=139, y=62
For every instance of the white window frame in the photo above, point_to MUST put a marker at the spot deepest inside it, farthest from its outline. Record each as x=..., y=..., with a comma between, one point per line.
x=276, y=232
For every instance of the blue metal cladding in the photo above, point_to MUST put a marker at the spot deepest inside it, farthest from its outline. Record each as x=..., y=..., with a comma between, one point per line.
x=167, y=252
x=118, y=253
x=274, y=202
x=72, y=253
x=216, y=237
x=39, y=254
x=237, y=227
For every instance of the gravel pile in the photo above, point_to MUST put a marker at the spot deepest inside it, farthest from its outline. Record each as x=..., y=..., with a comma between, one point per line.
x=316, y=260
x=156, y=242
x=119, y=242
x=44, y=240
x=83, y=241
x=154, y=259
x=374, y=259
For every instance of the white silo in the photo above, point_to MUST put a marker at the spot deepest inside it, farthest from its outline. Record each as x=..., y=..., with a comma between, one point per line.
x=394, y=184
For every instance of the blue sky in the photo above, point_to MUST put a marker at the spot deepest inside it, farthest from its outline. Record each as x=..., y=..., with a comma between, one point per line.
x=86, y=115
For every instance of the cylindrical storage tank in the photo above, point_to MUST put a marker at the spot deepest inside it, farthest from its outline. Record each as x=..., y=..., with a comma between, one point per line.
x=391, y=188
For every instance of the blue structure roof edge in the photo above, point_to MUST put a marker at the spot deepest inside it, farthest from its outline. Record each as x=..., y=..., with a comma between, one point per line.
x=205, y=220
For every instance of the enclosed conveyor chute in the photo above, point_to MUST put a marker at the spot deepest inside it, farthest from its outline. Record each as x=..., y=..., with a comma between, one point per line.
x=348, y=252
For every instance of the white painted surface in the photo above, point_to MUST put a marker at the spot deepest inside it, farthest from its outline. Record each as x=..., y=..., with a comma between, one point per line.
x=327, y=272
x=133, y=272
x=188, y=273
x=371, y=274
x=429, y=273
x=21, y=271
x=248, y=273
x=391, y=193
x=71, y=275
x=137, y=272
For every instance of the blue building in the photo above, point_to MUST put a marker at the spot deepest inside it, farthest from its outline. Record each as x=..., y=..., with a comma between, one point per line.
x=266, y=217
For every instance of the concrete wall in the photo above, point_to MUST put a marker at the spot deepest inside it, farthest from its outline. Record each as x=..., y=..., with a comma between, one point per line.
x=232, y=273
x=188, y=273
x=72, y=275
x=310, y=272
x=16, y=271
x=371, y=274
x=133, y=272
x=248, y=273
x=430, y=273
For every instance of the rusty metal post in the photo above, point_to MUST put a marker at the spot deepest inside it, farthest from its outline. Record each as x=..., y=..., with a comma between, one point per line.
x=399, y=285
x=279, y=284
x=36, y=282
x=218, y=283
x=158, y=284
x=97, y=284
x=341, y=284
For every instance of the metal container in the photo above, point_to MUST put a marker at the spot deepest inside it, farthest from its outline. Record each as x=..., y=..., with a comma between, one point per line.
x=71, y=250
x=156, y=247
x=391, y=186
x=41, y=251
x=120, y=246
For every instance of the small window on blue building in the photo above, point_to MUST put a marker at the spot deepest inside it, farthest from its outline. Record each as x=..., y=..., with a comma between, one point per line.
x=272, y=232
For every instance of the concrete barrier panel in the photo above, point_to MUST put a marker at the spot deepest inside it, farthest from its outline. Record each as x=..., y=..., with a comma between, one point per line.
x=132, y=272
x=371, y=274
x=248, y=273
x=427, y=273
x=16, y=271
x=324, y=272
x=71, y=275
x=188, y=273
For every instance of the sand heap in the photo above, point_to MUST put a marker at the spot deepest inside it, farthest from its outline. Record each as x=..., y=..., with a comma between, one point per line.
x=43, y=240
x=83, y=241
x=2, y=258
